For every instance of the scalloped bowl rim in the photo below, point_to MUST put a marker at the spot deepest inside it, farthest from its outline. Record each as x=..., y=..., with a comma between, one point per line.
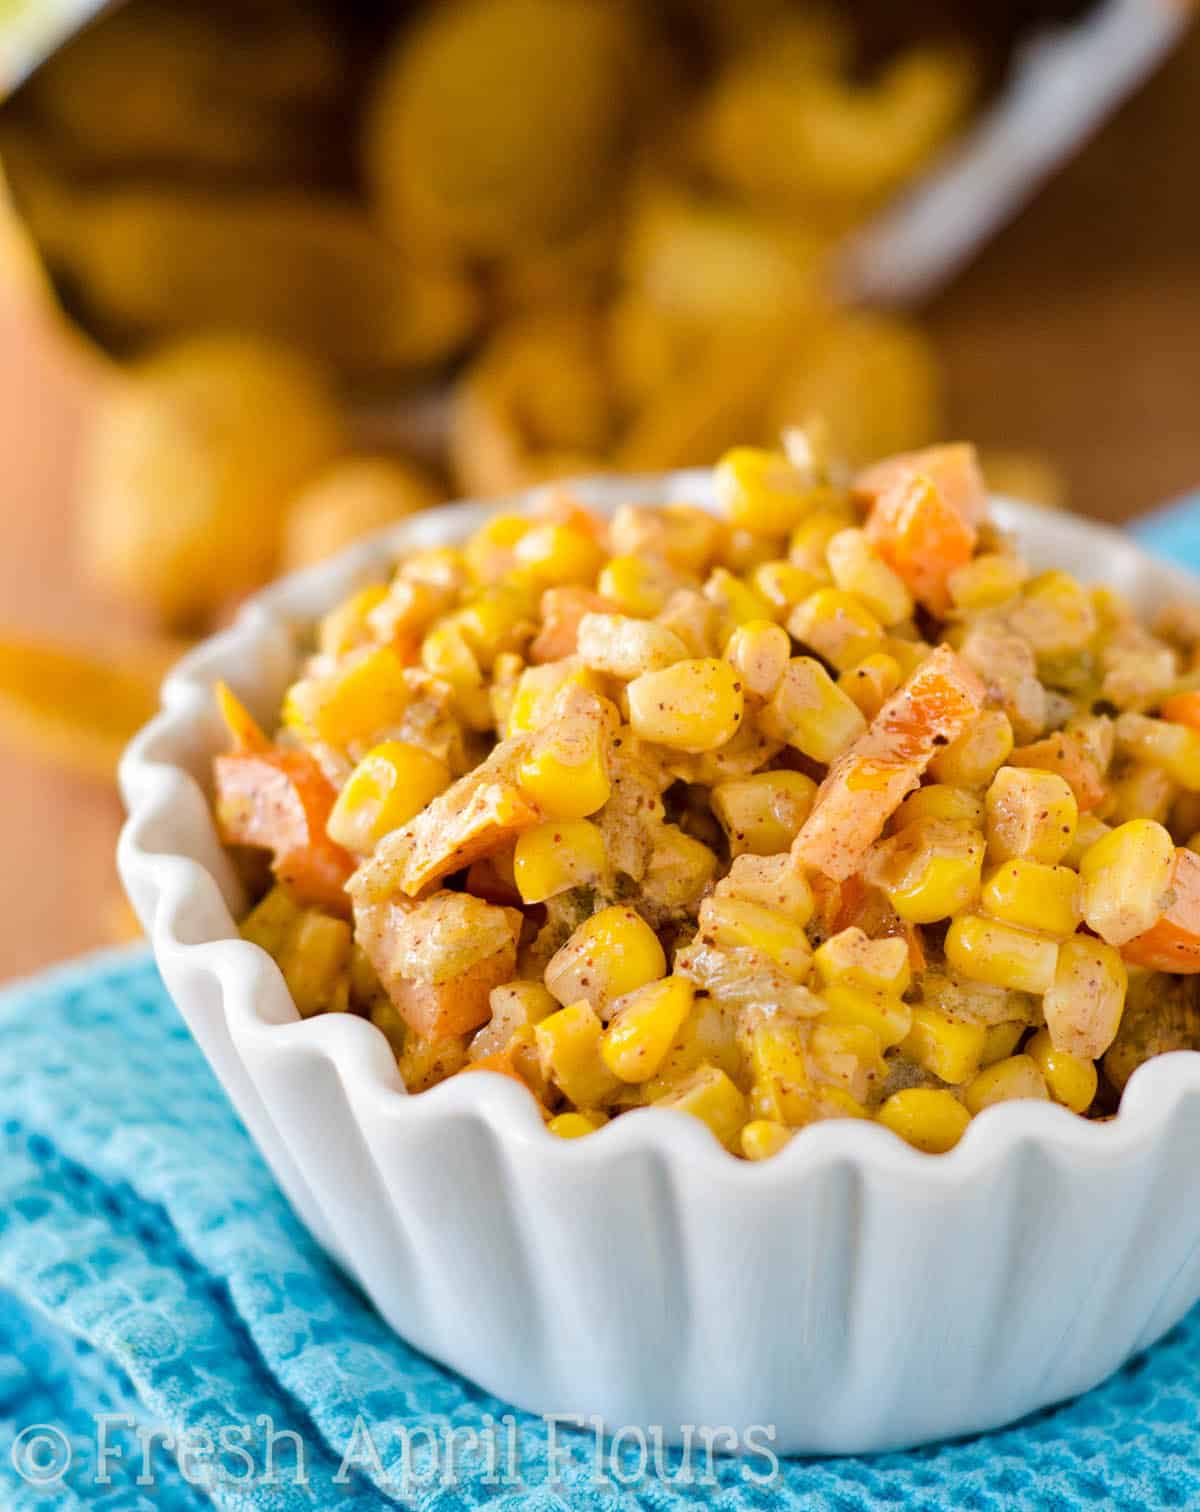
x=249, y=979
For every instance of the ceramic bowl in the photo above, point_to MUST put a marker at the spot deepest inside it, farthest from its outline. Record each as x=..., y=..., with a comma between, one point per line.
x=850, y=1294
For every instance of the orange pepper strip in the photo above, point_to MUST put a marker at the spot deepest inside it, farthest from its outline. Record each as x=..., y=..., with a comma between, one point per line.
x=241, y=724
x=507, y=1062
x=1182, y=708
x=279, y=801
x=1172, y=943
x=858, y=903
x=953, y=470
x=1062, y=754
x=501, y=1061
x=922, y=537
x=562, y=609
x=868, y=782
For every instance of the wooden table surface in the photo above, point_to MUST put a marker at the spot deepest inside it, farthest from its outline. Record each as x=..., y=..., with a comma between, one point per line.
x=1077, y=332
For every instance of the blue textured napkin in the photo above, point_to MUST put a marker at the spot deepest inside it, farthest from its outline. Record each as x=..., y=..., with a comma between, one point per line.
x=152, y=1274
x=1172, y=532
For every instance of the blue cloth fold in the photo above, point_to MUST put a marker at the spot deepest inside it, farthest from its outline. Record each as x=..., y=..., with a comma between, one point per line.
x=1172, y=532
x=155, y=1285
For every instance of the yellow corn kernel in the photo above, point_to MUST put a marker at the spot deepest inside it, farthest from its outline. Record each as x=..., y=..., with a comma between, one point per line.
x=315, y=961
x=1071, y=1080
x=566, y=773
x=927, y=1118
x=810, y=540
x=847, y=1056
x=763, y=813
x=931, y=869
x=1097, y=734
x=709, y=1095
x=611, y=954
x=759, y=651
x=1141, y=791
x=986, y=950
x=624, y=647
x=871, y=682
x=696, y=705
x=762, y=492
x=637, y=585
x=557, y=555
x=508, y=667
x=514, y=1005
x=938, y=800
x=679, y=869
x=503, y=692
x=837, y=627
x=1030, y=813
x=1126, y=875
x=1016, y=1077
x=888, y=1017
x=990, y=579
x=980, y=751
x=422, y=1062
x=947, y=1048
x=643, y=1027
x=1032, y=895
x=409, y=608
x=709, y=1033
x=695, y=620
x=1055, y=615
x=1087, y=832
x=1157, y=742
x=809, y=711
x=568, y=1044
x=271, y=921
x=572, y=1125
x=392, y=783
x=347, y=627
x=446, y=653
x=550, y=858
x=393, y=1028
x=738, y=603
x=771, y=882
x=1113, y=609
x=762, y=1137
x=851, y=958
x=488, y=551
x=681, y=534
x=499, y=620
x=783, y=585
x=1001, y=1041
x=1137, y=672
x=742, y=550
x=858, y=569
x=779, y=1065
x=833, y=1102
x=910, y=653
x=733, y=924
x=437, y=566
x=366, y=695
x=1084, y=1006
x=537, y=688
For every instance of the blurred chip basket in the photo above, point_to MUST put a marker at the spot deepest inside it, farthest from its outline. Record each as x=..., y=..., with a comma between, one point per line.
x=507, y=240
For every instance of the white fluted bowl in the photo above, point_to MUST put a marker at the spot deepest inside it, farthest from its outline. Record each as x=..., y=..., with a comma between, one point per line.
x=851, y=1293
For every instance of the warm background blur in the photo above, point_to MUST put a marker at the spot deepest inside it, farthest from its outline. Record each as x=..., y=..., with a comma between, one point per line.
x=1075, y=333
